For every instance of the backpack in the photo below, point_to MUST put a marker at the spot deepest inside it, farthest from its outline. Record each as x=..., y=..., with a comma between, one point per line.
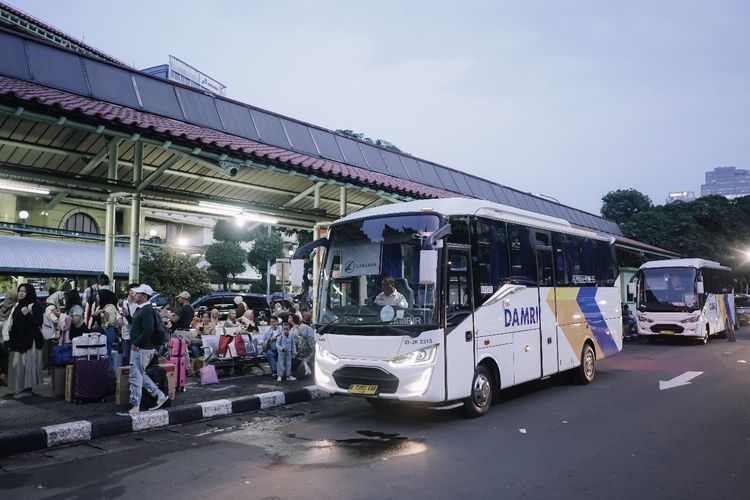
x=160, y=335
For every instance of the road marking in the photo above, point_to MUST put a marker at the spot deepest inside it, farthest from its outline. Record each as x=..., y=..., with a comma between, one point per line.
x=679, y=380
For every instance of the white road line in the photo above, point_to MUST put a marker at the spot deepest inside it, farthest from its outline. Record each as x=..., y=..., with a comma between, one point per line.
x=679, y=380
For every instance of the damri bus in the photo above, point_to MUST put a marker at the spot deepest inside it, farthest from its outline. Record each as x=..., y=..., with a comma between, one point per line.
x=493, y=296
x=683, y=297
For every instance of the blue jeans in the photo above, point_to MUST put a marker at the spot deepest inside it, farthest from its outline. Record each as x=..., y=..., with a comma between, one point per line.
x=285, y=364
x=110, y=334
x=271, y=356
x=138, y=379
x=125, y=352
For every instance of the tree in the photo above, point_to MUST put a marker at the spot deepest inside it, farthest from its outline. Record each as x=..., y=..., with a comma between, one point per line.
x=227, y=258
x=169, y=272
x=621, y=205
x=265, y=248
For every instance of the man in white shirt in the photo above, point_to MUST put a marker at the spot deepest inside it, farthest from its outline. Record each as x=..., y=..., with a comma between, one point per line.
x=390, y=296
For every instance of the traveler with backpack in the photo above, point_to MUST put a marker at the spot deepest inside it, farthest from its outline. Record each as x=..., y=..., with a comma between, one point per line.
x=144, y=335
x=127, y=310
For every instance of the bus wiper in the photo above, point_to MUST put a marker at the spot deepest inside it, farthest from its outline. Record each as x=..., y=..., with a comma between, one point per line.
x=322, y=329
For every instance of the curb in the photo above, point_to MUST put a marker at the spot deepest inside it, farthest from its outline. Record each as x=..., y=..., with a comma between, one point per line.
x=50, y=436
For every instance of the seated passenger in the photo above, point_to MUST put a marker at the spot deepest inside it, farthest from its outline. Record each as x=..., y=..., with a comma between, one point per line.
x=390, y=296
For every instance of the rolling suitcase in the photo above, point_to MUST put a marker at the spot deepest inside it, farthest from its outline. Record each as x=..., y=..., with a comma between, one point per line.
x=90, y=379
x=177, y=356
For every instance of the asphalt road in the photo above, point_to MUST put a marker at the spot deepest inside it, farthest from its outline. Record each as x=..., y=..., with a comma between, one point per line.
x=620, y=437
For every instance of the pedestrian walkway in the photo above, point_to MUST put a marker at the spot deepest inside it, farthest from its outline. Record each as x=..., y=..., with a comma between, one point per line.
x=40, y=410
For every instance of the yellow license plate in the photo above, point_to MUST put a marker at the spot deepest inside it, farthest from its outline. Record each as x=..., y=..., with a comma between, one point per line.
x=666, y=332
x=367, y=390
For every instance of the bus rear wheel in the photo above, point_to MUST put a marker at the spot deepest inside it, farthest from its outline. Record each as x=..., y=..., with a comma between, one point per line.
x=482, y=388
x=587, y=371
x=706, y=335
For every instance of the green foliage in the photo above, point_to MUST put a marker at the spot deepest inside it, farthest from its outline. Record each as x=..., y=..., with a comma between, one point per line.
x=377, y=142
x=227, y=258
x=265, y=248
x=169, y=272
x=621, y=205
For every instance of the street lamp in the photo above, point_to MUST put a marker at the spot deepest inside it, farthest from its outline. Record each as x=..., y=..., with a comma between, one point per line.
x=23, y=215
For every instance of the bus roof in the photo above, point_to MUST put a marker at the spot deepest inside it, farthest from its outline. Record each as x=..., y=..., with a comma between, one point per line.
x=472, y=206
x=694, y=263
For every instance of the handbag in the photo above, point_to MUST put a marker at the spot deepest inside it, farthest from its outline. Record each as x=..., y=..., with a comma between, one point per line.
x=224, y=341
x=237, y=347
x=62, y=354
x=208, y=375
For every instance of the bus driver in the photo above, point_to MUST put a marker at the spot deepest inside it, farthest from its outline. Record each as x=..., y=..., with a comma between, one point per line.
x=390, y=296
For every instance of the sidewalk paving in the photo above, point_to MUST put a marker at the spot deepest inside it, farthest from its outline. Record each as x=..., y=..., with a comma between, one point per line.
x=38, y=421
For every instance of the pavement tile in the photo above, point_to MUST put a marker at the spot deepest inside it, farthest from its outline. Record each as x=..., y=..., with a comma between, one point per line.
x=117, y=443
x=158, y=435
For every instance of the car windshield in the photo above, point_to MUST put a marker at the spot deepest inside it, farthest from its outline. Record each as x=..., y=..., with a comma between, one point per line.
x=370, y=283
x=668, y=289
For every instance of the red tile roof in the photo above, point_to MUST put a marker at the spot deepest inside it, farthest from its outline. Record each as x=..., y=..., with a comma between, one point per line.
x=148, y=122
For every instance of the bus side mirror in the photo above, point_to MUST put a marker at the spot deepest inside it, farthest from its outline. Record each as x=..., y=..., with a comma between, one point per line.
x=631, y=291
x=428, y=264
x=297, y=273
x=699, y=287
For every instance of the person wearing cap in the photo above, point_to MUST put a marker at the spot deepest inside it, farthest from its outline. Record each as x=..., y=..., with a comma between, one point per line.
x=183, y=317
x=142, y=351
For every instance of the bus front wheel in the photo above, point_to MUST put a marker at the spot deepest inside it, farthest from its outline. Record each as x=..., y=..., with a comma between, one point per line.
x=482, y=389
x=587, y=370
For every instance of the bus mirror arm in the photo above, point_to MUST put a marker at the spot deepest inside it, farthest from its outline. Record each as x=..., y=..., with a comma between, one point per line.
x=699, y=287
x=303, y=252
x=429, y=242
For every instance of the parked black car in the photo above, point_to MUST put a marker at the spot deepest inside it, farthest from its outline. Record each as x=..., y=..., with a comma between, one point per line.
x=742, y=303
x=224, y=301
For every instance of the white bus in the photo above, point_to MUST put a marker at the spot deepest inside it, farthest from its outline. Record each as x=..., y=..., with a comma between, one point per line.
x=683, y=297
x=493, y=296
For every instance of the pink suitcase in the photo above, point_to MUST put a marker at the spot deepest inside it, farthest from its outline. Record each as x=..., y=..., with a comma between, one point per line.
x=177, y=356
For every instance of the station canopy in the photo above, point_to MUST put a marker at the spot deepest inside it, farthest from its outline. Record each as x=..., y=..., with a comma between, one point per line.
x=64, y=110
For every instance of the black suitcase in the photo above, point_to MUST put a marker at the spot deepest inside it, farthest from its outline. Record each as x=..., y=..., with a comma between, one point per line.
x=90, y=379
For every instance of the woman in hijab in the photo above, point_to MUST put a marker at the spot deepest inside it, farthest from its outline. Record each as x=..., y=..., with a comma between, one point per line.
x=25, y=368
x=106, y=311
x=5, y=310
x=74, y=309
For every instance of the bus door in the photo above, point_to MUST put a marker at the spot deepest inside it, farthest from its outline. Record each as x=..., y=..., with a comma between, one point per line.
x=459, y=322
x=547, y=303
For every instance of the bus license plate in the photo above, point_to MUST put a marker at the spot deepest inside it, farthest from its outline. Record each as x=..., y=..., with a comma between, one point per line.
x=367, y=390
x=666, y=332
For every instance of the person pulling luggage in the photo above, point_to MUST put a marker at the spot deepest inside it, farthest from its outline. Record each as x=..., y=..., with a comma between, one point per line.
x=142, y=351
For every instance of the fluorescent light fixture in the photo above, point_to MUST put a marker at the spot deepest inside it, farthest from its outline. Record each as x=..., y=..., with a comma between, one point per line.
x=251, y=217
x=22, y=188
x=219, y=209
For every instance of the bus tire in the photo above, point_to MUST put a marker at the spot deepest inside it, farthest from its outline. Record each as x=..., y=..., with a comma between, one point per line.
x=482, y=389
x=706, y=335
x=587, y=371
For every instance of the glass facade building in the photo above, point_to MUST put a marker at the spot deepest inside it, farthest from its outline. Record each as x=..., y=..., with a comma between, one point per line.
x=731, y=182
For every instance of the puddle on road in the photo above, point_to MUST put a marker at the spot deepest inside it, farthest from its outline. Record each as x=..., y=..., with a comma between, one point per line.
x=288, y=448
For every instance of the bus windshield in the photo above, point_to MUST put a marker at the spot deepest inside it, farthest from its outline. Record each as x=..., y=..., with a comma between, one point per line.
x=668, y=289
x=370, y=282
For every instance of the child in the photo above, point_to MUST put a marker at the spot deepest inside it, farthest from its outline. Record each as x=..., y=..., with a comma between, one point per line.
x=287, y=348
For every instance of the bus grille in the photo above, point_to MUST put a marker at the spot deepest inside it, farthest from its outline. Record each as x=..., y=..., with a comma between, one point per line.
x=347, y=375
x=671, y=328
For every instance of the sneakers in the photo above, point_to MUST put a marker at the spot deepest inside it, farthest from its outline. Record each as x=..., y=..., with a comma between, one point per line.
x=291, y=378
x=131, y=412
x=160, y=401
x=278, y=379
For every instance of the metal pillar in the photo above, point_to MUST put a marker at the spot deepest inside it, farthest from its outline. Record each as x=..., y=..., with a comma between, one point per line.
x=135, y=216
x=316, y=202
x=268, y=271
x=342, y=201
x=109, y=217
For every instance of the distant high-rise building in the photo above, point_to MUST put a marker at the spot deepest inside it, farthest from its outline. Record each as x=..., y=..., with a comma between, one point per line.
x=731, y=182
x=680, y=196
x=180, y=71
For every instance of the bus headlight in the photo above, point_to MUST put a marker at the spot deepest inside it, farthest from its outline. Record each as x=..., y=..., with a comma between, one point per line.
x=419, y=357
x=643, y=318
x=324, y=355
x=691, y=319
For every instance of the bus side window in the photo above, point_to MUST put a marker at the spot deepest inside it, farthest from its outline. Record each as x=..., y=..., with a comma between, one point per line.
x=490, y=257
x=605, y=264
x=522, y=259
x=562, y=268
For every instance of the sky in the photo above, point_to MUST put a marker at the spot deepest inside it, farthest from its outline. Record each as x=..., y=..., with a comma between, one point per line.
x=570, y=99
